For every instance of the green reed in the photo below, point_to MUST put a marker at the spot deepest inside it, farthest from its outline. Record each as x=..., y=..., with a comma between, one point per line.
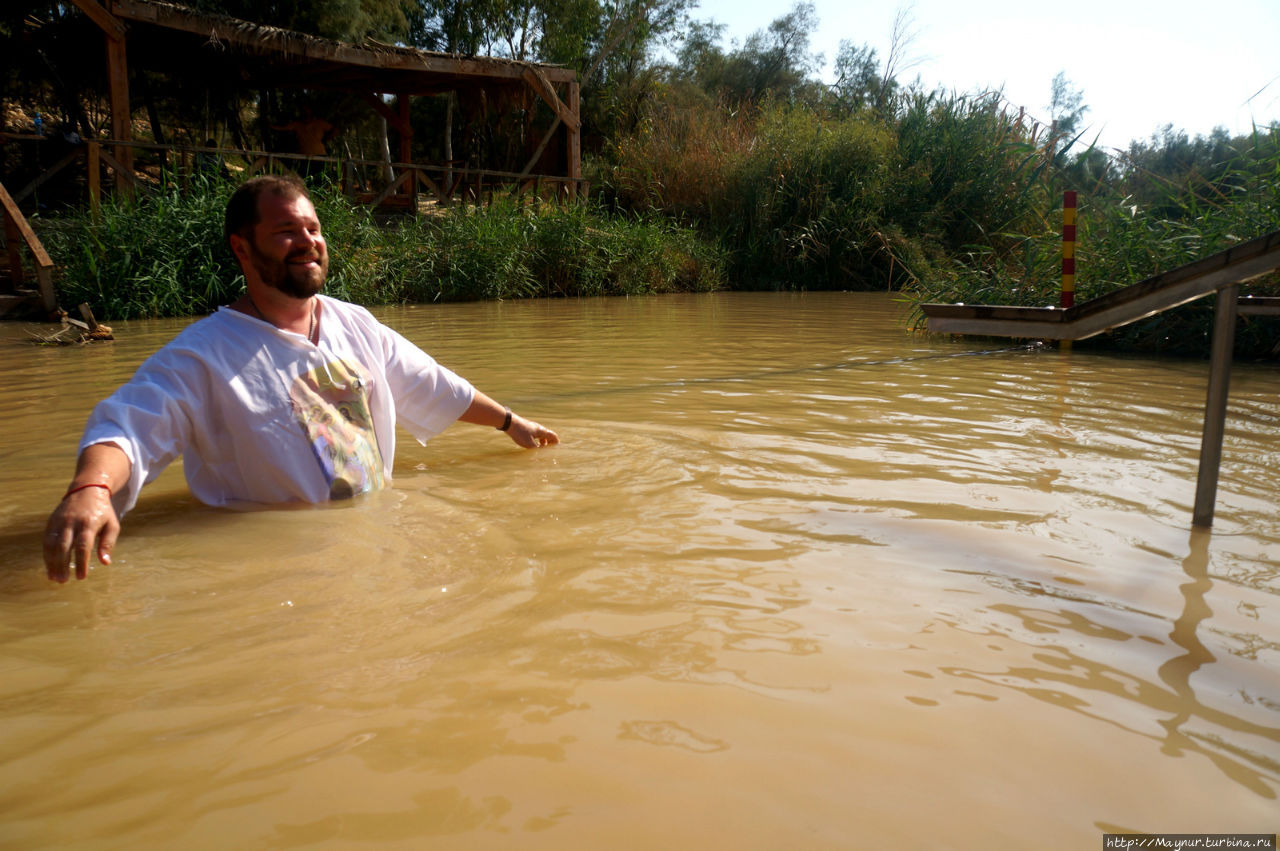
x=811, y=200
x=1129, y=228
x=163, y=254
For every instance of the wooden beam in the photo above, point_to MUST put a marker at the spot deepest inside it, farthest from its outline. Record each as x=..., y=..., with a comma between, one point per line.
x=542, y=146
x=575, y=140
x=405, y=128
x=66, y=160
x=380, y=107
x=108, y=23
x=265, y=39
x=1252, y=305
x=44, y=265
x=95, y=179
x=12, y=236
x=405, y=175
x=124, y=173
x=28, y=236
x=431, y=187
x=121, y=112
x=540, y=84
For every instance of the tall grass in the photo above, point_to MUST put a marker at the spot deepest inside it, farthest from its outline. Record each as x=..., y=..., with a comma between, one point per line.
x=808, y=200
x=163, y=254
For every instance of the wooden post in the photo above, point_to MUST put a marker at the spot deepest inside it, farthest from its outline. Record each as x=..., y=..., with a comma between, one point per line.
x=1068, y=298
x=1215, y=408
x=121, y=113
x=95, y=179
x=86, y=313
x=406, y=148
x=574, y=139
x=406, y=131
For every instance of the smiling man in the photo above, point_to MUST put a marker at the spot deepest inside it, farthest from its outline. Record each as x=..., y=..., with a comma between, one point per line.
x=285, y=395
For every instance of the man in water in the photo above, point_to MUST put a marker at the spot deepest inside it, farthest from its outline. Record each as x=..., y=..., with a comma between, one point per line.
x=285, y=395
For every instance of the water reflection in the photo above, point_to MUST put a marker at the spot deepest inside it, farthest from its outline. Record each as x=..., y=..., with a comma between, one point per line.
x=1068, y=679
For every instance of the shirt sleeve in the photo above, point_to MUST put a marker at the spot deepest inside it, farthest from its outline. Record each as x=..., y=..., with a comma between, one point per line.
x=149, y=419
x=428, y=397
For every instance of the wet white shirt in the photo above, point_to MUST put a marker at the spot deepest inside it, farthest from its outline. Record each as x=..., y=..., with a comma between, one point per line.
x=263, y=415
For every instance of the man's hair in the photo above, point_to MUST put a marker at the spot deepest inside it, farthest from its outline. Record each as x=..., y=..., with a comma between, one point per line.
x=242, y=209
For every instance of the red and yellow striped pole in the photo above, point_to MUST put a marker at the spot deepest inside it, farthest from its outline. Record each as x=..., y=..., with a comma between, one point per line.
x=1068, y=248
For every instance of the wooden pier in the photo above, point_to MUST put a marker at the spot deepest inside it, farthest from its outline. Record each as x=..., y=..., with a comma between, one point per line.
x=1219, y=274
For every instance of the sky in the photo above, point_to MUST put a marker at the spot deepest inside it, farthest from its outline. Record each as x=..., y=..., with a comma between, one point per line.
x=1140, y=64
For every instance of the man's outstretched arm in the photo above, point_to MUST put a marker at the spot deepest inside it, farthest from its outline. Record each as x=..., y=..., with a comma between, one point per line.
x=526, y=433
x=85, y=521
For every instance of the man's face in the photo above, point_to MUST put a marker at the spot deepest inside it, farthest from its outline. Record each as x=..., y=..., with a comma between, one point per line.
x=287, y=250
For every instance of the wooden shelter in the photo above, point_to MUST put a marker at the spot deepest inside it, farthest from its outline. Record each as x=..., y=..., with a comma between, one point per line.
x=264, y=57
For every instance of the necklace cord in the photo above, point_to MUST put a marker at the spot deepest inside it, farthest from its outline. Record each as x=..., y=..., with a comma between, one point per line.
x=311, y=328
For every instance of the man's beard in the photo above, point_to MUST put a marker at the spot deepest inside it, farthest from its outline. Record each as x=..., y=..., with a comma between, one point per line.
x=291, y=280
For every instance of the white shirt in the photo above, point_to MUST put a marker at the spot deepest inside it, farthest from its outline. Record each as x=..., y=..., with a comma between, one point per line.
x=263, y=415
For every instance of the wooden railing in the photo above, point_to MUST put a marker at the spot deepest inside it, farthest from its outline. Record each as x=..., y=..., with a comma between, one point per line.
x=372, y=182
x=17, y=231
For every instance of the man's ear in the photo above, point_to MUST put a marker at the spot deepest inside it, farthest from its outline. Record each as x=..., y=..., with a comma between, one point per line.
x=240, y=248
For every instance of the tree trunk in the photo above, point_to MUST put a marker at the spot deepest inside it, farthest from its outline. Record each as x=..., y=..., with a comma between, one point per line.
x=448, y=140
x=387, y=173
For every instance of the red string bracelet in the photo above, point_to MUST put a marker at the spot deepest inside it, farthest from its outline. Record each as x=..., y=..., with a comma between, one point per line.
x=89, y=485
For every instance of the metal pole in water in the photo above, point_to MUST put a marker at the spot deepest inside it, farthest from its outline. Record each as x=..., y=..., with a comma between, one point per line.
x=1215, y=406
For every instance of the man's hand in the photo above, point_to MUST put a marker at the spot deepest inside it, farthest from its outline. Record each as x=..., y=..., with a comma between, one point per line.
x=84, y=522
x=529, y=434
x=526, y=433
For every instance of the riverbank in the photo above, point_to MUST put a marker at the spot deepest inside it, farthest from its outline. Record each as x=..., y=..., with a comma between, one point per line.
x=162, y=256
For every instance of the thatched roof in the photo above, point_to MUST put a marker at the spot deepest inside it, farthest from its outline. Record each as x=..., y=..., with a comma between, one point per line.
x=269, y=56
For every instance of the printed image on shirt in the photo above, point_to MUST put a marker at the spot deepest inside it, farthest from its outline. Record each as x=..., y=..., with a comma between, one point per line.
x=331, y=404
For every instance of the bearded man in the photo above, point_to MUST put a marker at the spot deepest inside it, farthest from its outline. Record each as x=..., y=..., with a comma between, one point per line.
x=285, y=395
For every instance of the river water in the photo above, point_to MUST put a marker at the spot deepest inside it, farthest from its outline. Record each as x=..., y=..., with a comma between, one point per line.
x=796, y=578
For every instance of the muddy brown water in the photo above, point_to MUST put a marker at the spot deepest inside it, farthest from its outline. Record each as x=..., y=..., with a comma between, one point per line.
x=796, y=578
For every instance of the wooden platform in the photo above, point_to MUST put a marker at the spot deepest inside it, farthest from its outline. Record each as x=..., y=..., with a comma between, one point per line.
x=1159, y=292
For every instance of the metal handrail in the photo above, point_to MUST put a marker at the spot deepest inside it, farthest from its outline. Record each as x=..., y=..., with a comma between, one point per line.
x=1219, y=274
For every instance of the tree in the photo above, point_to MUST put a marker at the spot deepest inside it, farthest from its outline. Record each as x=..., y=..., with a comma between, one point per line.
x=774, y=62
x=858, y=82
x=1066, y=105
x=901, y=37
